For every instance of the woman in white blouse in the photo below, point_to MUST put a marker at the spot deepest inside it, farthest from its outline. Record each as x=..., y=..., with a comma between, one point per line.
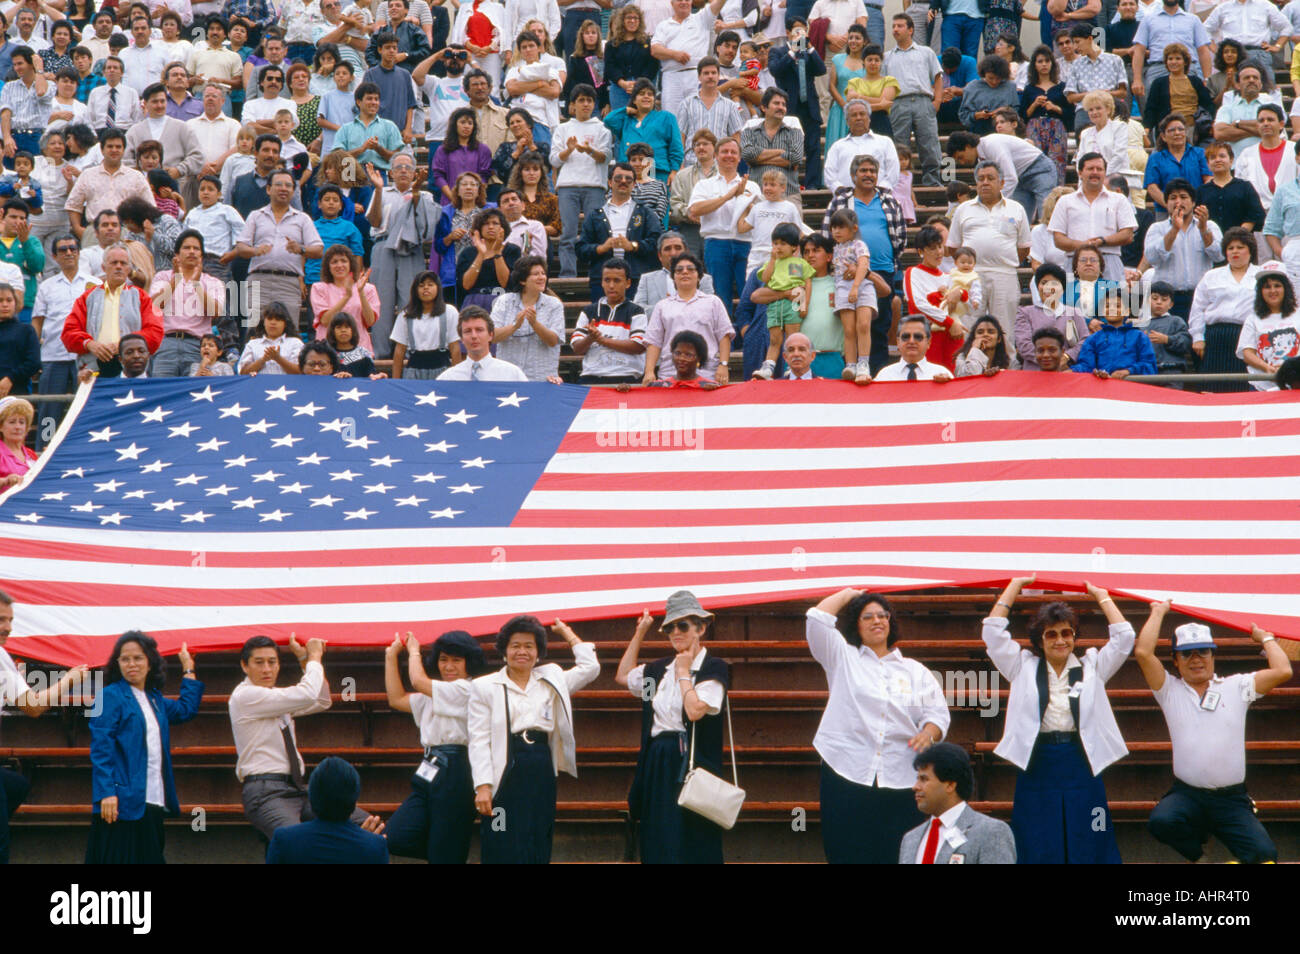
x=882, y=710
x=521, y=737
x=48, y=173
x=1224, y=300
x=529, y=321
x=1105, y=134
x=693, y=695
x=437, y=818
x=274, y=344
x=1060, y=731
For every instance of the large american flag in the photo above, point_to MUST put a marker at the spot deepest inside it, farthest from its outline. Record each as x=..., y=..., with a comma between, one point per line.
x=209, y=510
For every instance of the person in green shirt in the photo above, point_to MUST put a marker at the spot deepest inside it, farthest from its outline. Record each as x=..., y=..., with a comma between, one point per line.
x=19, y=247
x=785, y=271
x=369, y=137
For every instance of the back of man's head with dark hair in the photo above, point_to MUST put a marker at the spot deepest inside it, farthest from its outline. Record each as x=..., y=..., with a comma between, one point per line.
x=950, y=764
x=950, y=59
x=333, y=789
x=255, y=642
x=962, y=139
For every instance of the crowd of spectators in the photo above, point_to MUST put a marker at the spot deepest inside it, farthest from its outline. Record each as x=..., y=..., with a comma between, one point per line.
x=300, y=172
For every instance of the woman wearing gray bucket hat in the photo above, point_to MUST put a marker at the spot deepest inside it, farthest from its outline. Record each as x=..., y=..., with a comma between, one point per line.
x=437, y=818
x=677, y=707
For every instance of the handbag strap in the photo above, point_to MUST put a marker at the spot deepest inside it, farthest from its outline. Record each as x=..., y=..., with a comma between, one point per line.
x=731, y=739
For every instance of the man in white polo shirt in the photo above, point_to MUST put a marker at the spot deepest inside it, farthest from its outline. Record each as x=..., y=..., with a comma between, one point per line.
x=679, y=43
x=1206, y=715
x=860, y=141
x=1094, y=217
x=997, y=229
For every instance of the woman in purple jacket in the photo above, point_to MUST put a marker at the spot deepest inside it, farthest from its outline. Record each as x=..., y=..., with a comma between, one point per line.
x=460, y=152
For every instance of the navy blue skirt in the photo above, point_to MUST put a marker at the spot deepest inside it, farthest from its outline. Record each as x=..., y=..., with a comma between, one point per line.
x=668, y=833
x=522, y=822
x=138, y=842
x=864, y=824
x=1060, y=815
x=436, y=820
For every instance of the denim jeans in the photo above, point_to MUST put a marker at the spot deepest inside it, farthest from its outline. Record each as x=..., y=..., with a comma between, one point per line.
x=174, y=357
x=1034, y=185
x=724, y=259
x=880, y=326
x=57, y=377
x=876, y=25
x=965, y=33
x=751, y=325
x=573, y=201
x=618, y=97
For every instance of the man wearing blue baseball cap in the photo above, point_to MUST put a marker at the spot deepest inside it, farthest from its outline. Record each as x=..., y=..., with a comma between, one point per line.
x=1206, y=715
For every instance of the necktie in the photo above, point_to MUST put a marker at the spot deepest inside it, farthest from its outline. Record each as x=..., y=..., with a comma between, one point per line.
x=474, y=371
x=112, y=106
x=931, y=842
x=911, y=372
x=291, y=750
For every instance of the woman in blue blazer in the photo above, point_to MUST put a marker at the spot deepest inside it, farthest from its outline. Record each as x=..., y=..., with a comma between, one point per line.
x=130, y=752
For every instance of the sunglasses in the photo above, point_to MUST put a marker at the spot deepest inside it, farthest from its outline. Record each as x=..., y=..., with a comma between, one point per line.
x=66, y=248
x=679, y=626
x=912, y=336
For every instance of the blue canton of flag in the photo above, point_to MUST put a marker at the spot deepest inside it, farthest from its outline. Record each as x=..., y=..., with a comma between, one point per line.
x=298, y=453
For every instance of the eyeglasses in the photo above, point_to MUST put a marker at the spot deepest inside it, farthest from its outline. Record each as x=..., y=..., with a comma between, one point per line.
x=912, y=336
x=66, y=248
x=684, y=269
x=1066, y=633
x=872, y=617
x=624, y=178
x=679, y=626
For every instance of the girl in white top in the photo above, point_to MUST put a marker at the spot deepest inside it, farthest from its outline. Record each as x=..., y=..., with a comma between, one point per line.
x=1060, y=731
x=437, y=819
x=424, y=334
x=1272, y=333
x=274, y=344
x=882, y=710
x=521, y=737
x=1105, y=134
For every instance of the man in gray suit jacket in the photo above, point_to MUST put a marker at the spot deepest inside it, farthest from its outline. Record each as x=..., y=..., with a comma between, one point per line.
x=182, y=154
x=955, y=833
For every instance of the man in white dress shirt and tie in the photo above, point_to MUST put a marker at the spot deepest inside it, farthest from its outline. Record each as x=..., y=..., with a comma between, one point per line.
x=475, y=329
x=913, y=342
x=954, y=834
x=261, y=714
x=1206, y=715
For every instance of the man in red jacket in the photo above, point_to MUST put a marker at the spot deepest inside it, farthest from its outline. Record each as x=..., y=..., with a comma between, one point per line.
x=104, y=313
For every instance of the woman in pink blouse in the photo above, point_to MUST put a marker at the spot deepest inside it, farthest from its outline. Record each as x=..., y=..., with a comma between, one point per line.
x=345, y=287
x=16, y=416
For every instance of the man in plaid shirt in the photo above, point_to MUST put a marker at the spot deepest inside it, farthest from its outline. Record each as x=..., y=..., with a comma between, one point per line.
x=882, y=227
x=87, y=79
x=260, y=12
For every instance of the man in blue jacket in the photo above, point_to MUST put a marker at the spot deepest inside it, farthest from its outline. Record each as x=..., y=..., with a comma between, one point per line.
x=794, y=67
x=1116, y=349
x=330, y=838
x=621, y=228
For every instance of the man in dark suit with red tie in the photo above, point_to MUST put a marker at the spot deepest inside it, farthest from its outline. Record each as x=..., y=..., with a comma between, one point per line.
x=955, y=833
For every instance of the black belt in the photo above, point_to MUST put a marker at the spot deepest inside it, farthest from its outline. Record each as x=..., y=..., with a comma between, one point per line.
x=532, y=736
x=276, y=271
x=432, y=751
x=269, y=777
x=26, y=132
x=181, y=334
x=428, y=360
x=1058, y=738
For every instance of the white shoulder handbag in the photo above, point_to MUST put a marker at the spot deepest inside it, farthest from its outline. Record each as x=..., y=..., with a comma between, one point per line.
x=705, y=794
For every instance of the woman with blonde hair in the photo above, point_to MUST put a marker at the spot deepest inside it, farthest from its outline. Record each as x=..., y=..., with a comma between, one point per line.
x=627, y=55
x=239, y=162
x=16, y=458
x=1104, y=134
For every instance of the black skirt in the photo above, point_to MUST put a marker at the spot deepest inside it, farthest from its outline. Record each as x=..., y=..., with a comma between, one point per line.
x=864, y=824
x=668, y=833
x=1221, y=358
x=437, y=819
x=522, y=822
x=138, y=842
